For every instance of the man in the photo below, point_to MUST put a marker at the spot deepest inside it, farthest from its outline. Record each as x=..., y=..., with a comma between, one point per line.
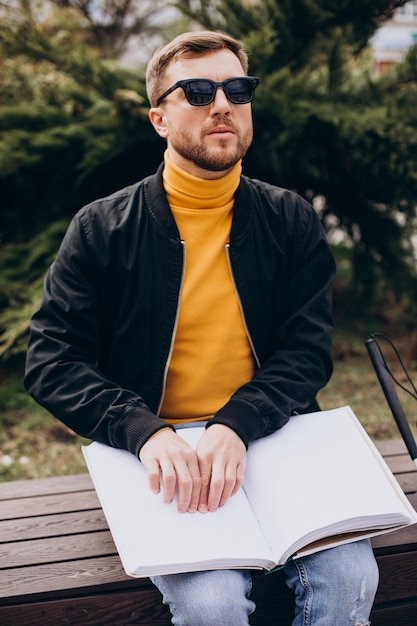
x=198, y=295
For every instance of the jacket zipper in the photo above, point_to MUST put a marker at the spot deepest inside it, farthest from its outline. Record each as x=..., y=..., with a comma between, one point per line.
x=240, y=305
x=174, y=332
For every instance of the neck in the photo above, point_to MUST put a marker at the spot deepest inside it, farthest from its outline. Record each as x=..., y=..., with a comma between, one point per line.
x=184, y=189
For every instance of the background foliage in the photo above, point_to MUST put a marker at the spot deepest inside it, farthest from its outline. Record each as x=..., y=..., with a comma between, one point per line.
x=73, y=126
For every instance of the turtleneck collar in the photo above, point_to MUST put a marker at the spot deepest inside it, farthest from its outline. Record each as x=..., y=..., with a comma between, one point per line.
x=189, y=192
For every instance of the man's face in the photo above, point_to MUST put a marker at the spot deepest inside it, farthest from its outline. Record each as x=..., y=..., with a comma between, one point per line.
x=205, y=141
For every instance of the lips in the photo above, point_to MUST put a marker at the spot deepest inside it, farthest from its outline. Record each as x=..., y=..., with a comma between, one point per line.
x=221, y=130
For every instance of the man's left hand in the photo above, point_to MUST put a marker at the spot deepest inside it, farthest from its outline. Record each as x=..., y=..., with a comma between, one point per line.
x=222, y=460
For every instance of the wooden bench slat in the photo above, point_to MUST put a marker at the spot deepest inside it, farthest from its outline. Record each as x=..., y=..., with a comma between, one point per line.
x=53, y=550
x=48, y=504
x=389, y=447
x=407, y=482
x=71, y=577
x=44, y=486
x=398, y=577
x=400, y=464
x=404, y=615
x=96, y=610
x=43, y=526
x=122, y=608
x=412, y=497
x=395, y=541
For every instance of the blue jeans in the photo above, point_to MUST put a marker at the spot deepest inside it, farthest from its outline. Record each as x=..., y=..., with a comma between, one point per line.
x=335, y=587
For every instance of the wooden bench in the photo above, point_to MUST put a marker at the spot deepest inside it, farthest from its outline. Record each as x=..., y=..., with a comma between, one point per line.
x=59, y=565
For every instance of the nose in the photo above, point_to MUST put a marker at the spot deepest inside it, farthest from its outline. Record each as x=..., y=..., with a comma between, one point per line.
x=220, y=103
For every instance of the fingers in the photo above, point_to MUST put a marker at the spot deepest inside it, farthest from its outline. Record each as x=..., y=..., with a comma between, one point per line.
x=201, y=480
x=172, y=465
x=224, y=482
x=152, y=467
x=205, y=473
x=184, y=478
x=222, y=458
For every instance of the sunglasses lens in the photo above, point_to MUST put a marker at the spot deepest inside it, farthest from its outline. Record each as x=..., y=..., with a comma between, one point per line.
x=200, y=92
x=239, y=90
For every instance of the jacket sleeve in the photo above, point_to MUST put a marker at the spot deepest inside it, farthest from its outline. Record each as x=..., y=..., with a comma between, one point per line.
x=299, y=362
x=64, y=346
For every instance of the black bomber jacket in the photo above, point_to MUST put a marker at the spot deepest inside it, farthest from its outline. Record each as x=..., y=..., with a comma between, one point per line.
x=100, y=343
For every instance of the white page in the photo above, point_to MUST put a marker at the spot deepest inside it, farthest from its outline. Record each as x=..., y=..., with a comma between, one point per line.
x=323, y=479
x=149, y=533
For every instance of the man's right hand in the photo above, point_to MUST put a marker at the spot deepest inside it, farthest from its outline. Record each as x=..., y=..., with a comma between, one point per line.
x=171, y=463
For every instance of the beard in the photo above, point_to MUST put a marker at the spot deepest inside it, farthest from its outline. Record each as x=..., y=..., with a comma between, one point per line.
x=216, y=158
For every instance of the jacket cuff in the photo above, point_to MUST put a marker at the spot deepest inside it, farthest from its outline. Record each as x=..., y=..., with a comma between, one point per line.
x=242, y=417
x=132, y=430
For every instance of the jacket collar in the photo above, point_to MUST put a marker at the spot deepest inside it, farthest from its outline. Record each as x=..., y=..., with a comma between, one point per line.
x=159, y=208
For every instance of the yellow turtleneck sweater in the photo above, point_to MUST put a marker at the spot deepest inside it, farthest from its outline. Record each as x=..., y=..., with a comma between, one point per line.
x=211, y=356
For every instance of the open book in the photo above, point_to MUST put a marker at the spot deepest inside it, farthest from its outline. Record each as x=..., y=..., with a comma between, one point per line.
x=316, y=483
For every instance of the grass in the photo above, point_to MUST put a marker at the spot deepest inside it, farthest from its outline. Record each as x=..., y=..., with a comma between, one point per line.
x=33, y=444
x=354, y=382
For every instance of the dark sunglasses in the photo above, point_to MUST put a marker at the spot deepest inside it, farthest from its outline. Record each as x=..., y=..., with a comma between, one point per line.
x=202, y=91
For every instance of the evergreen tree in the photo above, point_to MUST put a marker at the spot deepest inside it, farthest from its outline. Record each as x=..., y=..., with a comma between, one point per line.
x=327, y=127
x=73, y=127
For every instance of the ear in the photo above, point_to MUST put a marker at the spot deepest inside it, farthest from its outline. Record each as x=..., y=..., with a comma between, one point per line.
x=158, y=121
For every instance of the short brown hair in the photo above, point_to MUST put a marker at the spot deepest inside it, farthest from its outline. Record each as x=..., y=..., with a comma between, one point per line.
x=188, y=45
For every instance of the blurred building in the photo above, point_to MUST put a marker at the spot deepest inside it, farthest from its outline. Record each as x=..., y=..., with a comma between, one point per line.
x=391, y=42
